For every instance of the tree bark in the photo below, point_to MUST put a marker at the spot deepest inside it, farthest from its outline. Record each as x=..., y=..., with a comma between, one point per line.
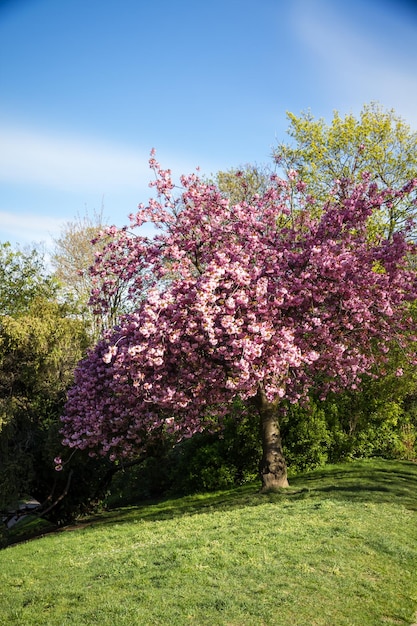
x=272, y=468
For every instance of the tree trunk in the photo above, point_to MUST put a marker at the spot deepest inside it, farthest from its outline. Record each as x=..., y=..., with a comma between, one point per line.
x=272, y=468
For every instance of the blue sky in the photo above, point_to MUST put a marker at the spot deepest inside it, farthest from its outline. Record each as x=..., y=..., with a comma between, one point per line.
x=88, y=87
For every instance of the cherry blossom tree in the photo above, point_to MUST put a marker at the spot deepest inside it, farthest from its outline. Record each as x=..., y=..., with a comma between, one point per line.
x=249, y=300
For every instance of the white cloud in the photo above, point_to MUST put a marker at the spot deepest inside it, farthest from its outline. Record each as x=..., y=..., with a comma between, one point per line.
x=62, y=162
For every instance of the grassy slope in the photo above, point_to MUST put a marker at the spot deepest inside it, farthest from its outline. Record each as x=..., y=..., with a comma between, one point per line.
x=337, y=548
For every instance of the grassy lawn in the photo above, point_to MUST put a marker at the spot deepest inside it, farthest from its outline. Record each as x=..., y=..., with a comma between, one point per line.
x=338, y=548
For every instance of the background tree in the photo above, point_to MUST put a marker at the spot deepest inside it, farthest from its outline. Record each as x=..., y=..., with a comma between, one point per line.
x=378, y=141
x=39, y=350
x=41, y=341
x=73, y=255
x=22, y=278
x=252, y=310
x=242, y=184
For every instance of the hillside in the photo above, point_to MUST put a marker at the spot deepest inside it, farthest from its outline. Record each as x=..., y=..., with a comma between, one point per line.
x=339, y=547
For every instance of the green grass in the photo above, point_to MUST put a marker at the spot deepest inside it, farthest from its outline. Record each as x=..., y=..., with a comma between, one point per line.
x=338, y=548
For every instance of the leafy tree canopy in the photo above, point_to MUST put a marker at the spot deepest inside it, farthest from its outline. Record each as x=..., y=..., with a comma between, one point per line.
x=242, y=184
x=22, y=278
x=378, y=141
x=41, y=341
x=74, y=254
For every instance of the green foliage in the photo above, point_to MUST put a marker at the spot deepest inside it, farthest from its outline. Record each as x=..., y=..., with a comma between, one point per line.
x=73, y=255
x=211, y=461
x=306, y=437
x=378, y=420
x=38, y=352
x=41, y=341
x=379, y=142
x=205, y=462
x=242, y=184
x=22, y=278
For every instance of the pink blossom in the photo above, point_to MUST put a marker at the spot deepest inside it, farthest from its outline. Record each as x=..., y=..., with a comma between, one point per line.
x=225, y=302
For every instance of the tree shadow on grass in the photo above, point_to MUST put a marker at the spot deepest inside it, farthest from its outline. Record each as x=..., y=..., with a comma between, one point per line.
x=375, y=481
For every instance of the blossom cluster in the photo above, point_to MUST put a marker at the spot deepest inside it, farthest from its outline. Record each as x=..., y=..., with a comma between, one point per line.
x=229, y=298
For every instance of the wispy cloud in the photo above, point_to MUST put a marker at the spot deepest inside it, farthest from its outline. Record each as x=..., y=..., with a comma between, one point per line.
x=62, y=162
x=362, y=67
x=36, y=165
x=27, y=228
